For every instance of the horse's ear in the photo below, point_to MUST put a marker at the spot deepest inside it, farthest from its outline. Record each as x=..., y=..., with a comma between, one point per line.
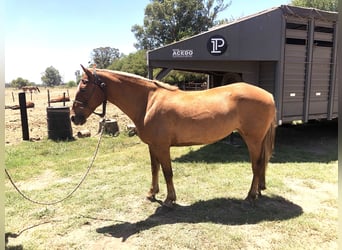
x=88, y=73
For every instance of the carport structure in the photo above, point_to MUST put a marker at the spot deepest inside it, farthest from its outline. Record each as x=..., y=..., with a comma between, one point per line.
x=289, y=51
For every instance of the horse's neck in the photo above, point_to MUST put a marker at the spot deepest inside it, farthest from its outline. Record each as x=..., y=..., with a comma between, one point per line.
x=131, y=98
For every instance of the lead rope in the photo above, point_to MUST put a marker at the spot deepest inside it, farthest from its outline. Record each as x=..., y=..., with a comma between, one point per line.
x=73, y=191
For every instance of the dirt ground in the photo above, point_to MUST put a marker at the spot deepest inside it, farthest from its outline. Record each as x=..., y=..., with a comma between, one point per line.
x=37, y=116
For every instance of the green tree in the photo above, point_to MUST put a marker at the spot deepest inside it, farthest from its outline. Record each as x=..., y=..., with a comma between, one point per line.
x=19, y=82
x=104, y=56
x=330, y=5
x=178, y=77
x=167, y=21
x=71, y=84
x=133, y=63
x=51, y=77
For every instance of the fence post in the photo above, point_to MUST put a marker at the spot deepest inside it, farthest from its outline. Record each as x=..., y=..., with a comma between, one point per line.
x=23, y=114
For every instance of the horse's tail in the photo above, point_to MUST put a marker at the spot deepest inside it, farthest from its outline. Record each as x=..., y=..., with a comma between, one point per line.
x=267, y=148
x=268, y=142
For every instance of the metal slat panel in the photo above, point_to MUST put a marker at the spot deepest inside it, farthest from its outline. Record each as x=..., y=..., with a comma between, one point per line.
x=322, y=54
x=323, y=36
x=295, y=55
x=321, y=74
x=292, y=33
x=294, y=79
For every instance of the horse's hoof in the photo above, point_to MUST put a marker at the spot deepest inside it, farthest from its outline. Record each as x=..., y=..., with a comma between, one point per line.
x=259, y=194
x=251, y=198
x=250, y=201
x=168, y=203
x=151, y=198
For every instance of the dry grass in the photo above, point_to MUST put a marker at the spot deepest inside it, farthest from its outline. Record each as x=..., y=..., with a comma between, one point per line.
x=37, y=116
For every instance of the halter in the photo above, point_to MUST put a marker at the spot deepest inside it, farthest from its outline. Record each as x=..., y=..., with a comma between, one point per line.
x=102, y=86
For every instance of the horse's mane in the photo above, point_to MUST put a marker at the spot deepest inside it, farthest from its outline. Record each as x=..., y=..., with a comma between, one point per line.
x=165, y=85
x=157, y=83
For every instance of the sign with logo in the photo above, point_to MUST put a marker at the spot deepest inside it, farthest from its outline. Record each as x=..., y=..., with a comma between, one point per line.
x=182, y=52
x=217, y=45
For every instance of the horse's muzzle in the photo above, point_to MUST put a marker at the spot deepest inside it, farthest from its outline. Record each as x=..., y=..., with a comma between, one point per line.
x=78, y=119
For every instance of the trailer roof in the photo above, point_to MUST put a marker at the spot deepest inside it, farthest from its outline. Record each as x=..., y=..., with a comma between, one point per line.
x=286, y=10
x=258, y=37
x=309, y=13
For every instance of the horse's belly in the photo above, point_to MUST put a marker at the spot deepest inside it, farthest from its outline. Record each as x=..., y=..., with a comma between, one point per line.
x=201, y=132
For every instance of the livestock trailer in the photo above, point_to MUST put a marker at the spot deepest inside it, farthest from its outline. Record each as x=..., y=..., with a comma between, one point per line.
x=289, y=51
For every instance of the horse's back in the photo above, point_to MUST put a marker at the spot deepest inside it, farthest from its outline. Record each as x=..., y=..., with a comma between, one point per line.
x=246, y=91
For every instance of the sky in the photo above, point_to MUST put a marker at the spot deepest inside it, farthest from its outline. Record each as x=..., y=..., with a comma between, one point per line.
x=63, y=33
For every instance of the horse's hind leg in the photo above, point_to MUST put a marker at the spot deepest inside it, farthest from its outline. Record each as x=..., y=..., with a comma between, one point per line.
x=155, y=166
x=258, y=170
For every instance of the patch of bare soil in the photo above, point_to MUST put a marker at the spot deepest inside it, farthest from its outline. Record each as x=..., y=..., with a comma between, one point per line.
x=318, y=195
x=37, y=116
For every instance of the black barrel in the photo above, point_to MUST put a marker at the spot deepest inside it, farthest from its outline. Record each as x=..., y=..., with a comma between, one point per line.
x=59, y=124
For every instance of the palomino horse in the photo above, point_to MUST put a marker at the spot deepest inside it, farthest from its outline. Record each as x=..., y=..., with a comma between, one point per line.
x=166, y=116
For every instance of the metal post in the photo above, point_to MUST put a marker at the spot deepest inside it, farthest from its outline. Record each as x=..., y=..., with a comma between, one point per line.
x=308, y=73
x=333, y=79
x=23, y=114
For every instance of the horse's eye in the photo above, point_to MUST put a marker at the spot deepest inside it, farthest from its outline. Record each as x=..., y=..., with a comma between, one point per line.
x=85, y=81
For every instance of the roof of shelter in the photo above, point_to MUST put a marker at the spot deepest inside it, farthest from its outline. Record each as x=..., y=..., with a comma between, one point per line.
x=287, y=10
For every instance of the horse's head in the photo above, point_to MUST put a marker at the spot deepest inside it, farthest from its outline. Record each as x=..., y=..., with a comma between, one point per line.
x=90, y=94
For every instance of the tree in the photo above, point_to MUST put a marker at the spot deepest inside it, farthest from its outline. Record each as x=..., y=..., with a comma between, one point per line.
x=19, y=83
x=71, y=84
x=78, y=76
x=104, y=56
x=330, y=5
x=51, y=77
x=133, y=63
x=168, y=21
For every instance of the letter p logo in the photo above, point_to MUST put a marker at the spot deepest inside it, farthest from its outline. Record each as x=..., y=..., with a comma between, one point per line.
x=217, y=45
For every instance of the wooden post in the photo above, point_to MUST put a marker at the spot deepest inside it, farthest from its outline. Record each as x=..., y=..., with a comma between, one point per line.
x=48, y=92
x=23, y=114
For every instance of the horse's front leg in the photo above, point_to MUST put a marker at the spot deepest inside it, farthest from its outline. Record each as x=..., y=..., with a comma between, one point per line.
x=163, y=156
x=155, y=166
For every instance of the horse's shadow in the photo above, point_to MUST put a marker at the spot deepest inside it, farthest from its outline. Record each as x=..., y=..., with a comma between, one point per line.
x=226, y=211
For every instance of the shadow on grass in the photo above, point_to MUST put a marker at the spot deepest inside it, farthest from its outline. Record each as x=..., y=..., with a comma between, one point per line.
x=220, y=211
x=313, y=142
x=20, y=247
